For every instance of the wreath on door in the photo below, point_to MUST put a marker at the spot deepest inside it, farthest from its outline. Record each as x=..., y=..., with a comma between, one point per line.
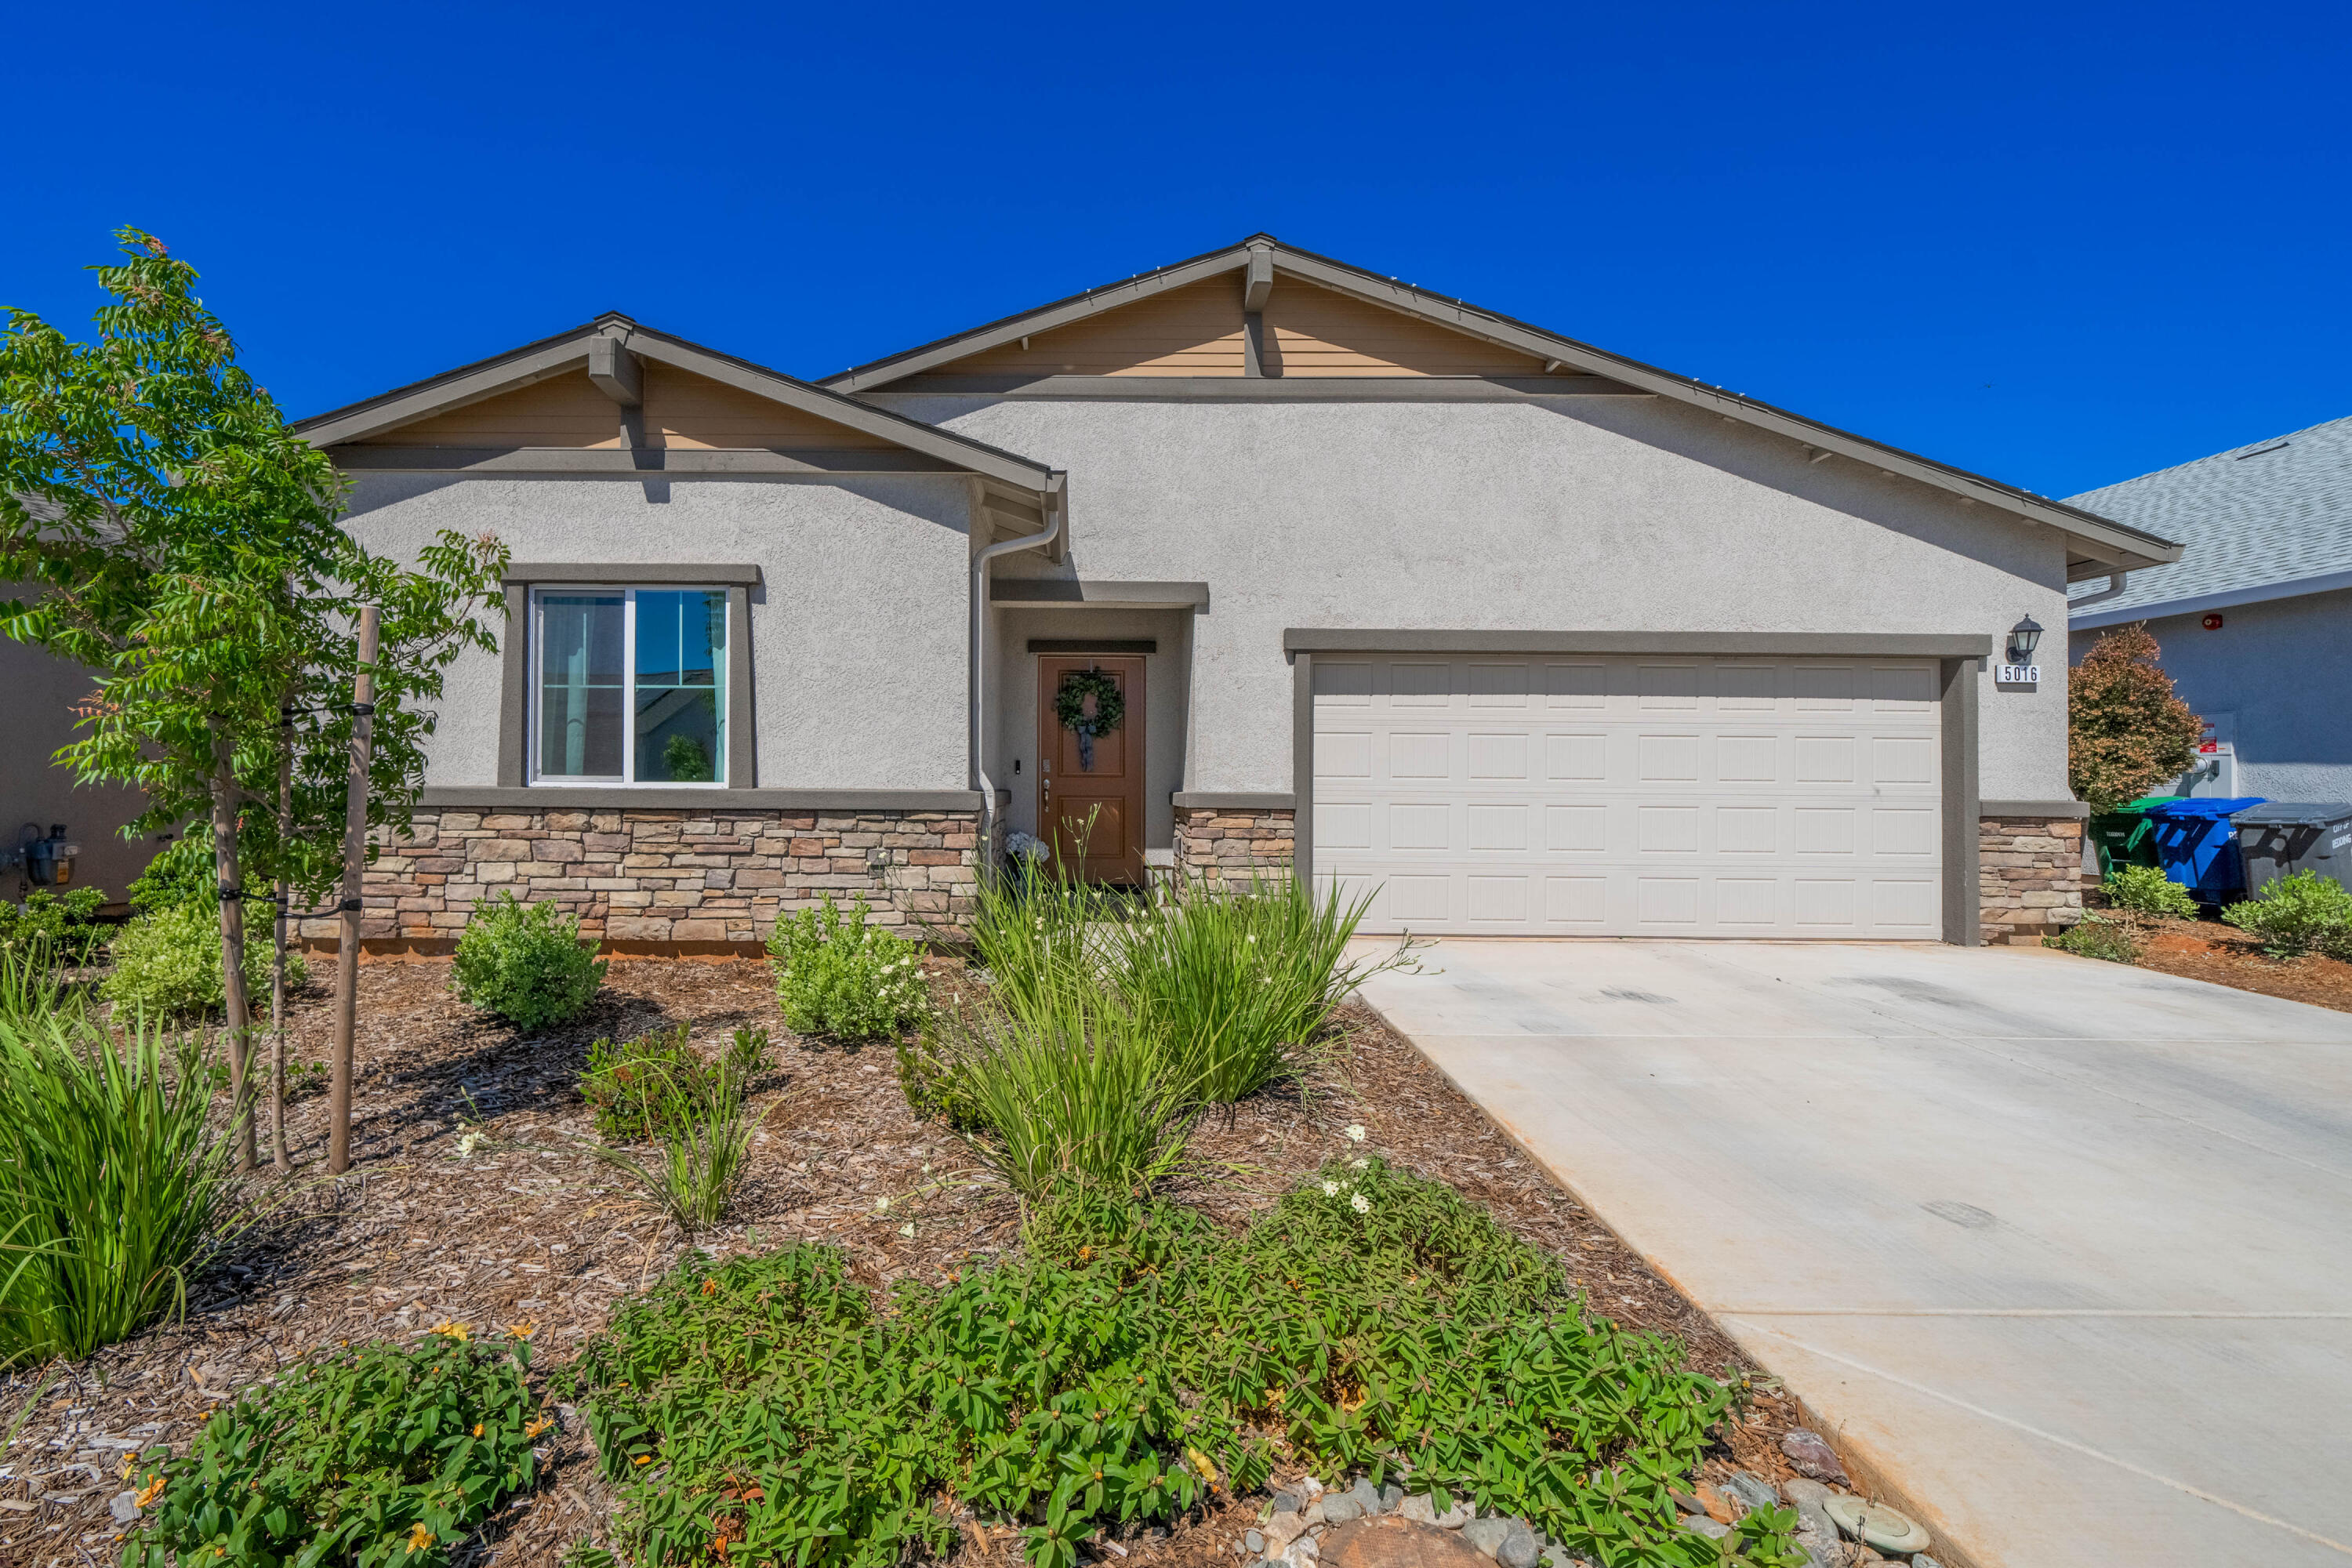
x=1070, y=710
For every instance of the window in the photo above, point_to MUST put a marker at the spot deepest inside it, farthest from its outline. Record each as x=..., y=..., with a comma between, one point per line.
x=632, y=686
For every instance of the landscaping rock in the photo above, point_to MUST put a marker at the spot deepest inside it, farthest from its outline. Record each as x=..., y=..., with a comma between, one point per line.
x=1921, y=1559
x=1254, y=1541
x=1313, y=1512
x=1288, y=1503
x=1519, y=1548
x=1302, y=1551
x=1390, y=1496
x=1417, y=1509
x=1367, y=1496
x=1810, y=1455
x=1751, y=1491
x=1486, y=1534
x=1338, y=1508
x=1281, y=1530
x=1713, y=1528
x=1802, y=1492
x=1392, y=1540
x=1310, y=1489
x=1456, y=1517
x=1686, y=1503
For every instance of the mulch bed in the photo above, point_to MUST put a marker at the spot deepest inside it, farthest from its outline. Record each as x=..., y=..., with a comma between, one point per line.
x=527, y=1229
x=2210, y=950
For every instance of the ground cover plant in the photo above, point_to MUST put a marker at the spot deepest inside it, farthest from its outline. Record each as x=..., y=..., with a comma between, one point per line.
x=2296, y=914
x=167, y=963
x=2092, y=936
x=767, y=1410
x=111, y=1182
x=2146, y=890
x=382, y=1456
x=841, y=977
x=526, y=963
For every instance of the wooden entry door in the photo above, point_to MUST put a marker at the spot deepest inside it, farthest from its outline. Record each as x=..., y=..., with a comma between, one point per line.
x=1111, y=790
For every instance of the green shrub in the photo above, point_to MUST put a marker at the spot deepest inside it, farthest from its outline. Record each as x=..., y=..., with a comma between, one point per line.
x=527, y=964
x=641, y=1087
x=1037, y=933
x=837, y=977
x=2145, y=890
x=1372, y=1321
x=64, y=930
x=167, y=961
x=704, y=1134
x=2302, y=913
x=182, y=872
x=109, y=1172
x=2092, y=937
x=383, y=1457
x=1062, y=1097
x=1238, y=980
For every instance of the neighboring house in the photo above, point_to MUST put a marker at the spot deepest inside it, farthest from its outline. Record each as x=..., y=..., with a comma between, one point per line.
x=2255, y=619
x=1529, y=638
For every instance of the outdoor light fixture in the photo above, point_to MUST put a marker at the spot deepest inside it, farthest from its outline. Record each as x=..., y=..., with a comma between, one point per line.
x=2023, y=639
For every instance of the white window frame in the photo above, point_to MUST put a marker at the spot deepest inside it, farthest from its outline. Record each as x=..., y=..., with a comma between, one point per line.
x=536, y=691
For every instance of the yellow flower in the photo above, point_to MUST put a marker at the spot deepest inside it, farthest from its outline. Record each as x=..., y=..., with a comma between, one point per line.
x=448, y=1330
x=641, y=1460
x=477, y=1428
x=710, y=1286
x=533, y=1428
x=523, y=1330
x=420, y=1536
x=151, y=1491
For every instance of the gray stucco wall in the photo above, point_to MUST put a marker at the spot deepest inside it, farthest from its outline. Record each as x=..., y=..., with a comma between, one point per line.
x=1572, y=514
x=858, y=631
x=2282, y=668
x=36, y=696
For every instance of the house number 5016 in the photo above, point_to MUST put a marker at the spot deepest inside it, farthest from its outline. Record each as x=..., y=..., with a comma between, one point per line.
x=2021, y=675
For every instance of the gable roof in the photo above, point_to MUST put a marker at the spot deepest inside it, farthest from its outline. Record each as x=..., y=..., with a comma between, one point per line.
x=570, y=351
x=2098, y=544
x=2269, y=519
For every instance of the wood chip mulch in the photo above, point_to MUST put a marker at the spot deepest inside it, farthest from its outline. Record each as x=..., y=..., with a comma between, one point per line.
x=526, y=1228
x=2208, y=949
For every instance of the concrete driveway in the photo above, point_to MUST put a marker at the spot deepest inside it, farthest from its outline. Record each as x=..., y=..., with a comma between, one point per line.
x=2061, y=1249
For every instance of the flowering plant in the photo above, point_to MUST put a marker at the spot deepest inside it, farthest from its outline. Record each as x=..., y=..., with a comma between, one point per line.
x=838, y=977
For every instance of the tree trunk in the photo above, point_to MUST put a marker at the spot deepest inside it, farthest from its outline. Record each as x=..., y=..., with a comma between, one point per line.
x=232, y=927
x=347, y=945
x=277, y=1155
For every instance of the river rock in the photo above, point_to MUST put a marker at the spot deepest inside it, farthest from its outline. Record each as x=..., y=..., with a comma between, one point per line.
x=1810, y=1455
x=1392, y=1540
x=1519, y=1549
x=1486, y=1534
x=1751, y=1491
x=1338, y=1508
x=1367, y=1496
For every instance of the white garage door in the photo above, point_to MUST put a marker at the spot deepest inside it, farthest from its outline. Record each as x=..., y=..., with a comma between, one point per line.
x=1553, y=795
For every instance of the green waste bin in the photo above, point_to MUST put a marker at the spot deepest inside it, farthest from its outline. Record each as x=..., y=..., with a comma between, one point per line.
x=2124, y=836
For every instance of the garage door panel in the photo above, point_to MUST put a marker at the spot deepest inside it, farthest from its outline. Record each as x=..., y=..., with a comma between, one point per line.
x=1745, y=797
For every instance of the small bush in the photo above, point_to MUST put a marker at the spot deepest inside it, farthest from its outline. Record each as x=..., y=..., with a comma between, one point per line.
x=643, y=1087
x=837, y=977
x=2302, y=913
x=65, y=929
x=182, y=872
x=383, y=1457
x=2092, y=937
x=167, y=961
x=704, y=1137
x=1372, y=1321
x=527, y=964
x=110, y=1182
x=2145, y=890
x=1237, y=980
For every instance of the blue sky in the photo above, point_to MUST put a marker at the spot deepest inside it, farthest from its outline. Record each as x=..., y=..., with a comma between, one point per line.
x=2059, y=244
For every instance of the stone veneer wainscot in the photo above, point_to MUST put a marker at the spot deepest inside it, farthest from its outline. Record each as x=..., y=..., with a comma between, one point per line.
x=1217, y=842
x=2030, y=877
x=668, y=877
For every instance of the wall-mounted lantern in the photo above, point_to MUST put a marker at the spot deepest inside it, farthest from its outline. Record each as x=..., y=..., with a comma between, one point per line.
x=2023, y=638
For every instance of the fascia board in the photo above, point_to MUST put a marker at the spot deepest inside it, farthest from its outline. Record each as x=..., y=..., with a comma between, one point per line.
x=2198, y=604
x=442, y=393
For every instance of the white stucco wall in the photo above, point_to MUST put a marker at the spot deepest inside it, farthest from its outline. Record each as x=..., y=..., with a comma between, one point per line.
x=1572, y=514
x=2279, y=670
x=858, y=631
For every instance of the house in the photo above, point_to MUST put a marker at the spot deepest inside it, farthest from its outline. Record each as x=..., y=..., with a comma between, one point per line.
x=2255, y=619
x=1521, y=636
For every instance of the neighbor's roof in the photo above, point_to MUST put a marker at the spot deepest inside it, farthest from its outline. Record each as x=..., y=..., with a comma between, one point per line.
x=2096, y=540
x=2268, y=521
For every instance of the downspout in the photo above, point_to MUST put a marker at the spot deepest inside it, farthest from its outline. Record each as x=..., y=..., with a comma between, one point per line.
x=2115, y=587
x=1054, y=505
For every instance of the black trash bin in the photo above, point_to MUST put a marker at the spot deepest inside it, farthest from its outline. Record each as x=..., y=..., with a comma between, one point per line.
x=2280, y=837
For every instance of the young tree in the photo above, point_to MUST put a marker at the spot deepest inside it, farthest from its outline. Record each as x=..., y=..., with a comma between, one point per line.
x=188, y=551
x=2128, y=729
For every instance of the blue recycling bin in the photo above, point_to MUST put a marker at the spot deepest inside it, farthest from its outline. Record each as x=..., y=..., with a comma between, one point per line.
x=2197, y=846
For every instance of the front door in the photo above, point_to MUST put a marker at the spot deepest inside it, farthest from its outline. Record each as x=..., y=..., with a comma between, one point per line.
x=1098, y=776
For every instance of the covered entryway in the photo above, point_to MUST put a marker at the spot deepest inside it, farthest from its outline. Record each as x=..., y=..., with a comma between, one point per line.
x=1645, y=795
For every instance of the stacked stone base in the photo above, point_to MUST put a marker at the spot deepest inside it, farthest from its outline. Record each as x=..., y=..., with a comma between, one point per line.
x=1217, y=845
x=2030, y=877
x=668, y=880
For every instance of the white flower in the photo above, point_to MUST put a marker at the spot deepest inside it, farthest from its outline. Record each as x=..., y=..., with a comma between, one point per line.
x=908, y=1228
x=1251, y=938
x=1361, y=1163
x=468, y=1145
x=881, y=1205
x=1361, y=1203
x=1330, y=1189
x=1355, y=1133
